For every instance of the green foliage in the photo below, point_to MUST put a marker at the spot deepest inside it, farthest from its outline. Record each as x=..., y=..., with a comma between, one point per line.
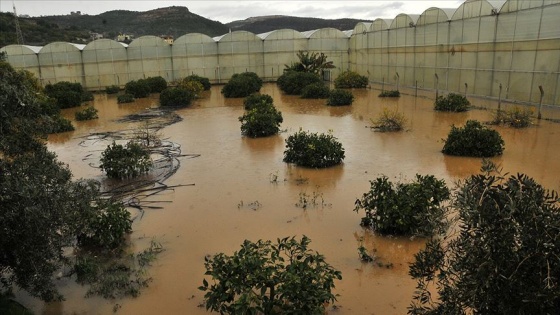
x=58, y=124
x=503, y=258
x=261, y=121
x=315, y=90
x=312, y=62
x=452, y=103
x=391, y=93
x=405, y=208
x=87, y=96
x=87, y=113
x=350, y=79
x=176, y=97
x=313, y=150
x=257, y=100
x=202, y=80
x=125, y=98
x=389, y=120
x=514, y=117
x=108, y=229
x=125, y=161
x=11, y=307
x=113, y=89
x=65, y=93
x=242, y=85
x=138, y=88
x=156, y=84
x=338, y=97
x=195, y=87
x=293, y=82
x=285, y=277
x=473, y=139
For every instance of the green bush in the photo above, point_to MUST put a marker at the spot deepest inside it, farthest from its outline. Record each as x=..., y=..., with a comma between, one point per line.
x=285, y=277
x=313, y=150
x=514, y=117
x=125, y=98
x=176, y=97
x=125, y=161
x=293, y=82
x=474, y=140
x=405, y=208
x=339, y=97
x=113, y=89
x=242, y=85
x=315, y=90
x=257, y=100
x=87, y=96
x=452, y=103
x=138, y=88
x=58, y=124
x=87, y=113
x=391, y=93
x=108, y=229
x=202, y=80
x=261, y=121
x=156, y=84
x=65, y=93
x=193, y=86
x=503, y=256
x=389, y=120
x=350, y=79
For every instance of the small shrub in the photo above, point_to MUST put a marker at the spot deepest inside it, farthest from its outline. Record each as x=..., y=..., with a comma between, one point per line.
x=125, y=161
x=242, y=85
x=285, y=277
x=113, y=89
x=389, y=120
x=452, y=103
x=176, y=97
x=87, y=113
x=193, y=86
x=293, y=82
x=202, y=80
x=313, y=150
x=138, y=88
x=514, y=117
x=391, y=93
x=261, y=121
x=315, y=90
x=156, y=84
x=474, y=140
x=108, y=229
x=125, y=98
x=65, y=93
x=58, y=124
x=405, y=208
x=350, y=79
x=257, y=100
x=338, y=97
x=87, y=96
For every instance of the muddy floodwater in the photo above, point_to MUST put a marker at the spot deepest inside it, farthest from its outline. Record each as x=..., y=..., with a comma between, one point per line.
x=233, y=171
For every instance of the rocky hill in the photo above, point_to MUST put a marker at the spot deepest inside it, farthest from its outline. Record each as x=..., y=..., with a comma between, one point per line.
x=175, y=21
x=263, y=24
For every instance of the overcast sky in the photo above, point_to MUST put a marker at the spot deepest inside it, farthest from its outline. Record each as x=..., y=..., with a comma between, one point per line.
x=227, y=11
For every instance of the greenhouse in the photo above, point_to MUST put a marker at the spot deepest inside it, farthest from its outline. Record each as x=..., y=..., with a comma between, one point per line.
x=149, y=56
x=498, y=49
x=61, y=61
x=195, y=54
x=281, y=47
x=105, y=63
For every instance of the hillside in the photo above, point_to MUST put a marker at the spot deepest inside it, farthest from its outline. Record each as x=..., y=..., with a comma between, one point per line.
x=175, y=21
x=263, y=24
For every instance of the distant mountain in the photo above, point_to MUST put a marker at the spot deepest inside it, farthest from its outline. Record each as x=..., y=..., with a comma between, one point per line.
x=175, y=21
x=263, y=24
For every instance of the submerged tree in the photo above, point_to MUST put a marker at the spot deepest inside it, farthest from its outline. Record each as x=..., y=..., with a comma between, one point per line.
x=504, y=258
x=312, y=62
x=285, y=277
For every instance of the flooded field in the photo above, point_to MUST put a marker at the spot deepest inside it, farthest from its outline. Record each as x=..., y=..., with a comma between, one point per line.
x=232, y=171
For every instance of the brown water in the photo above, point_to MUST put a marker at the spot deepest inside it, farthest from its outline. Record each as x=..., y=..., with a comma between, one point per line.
x=207, y=219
